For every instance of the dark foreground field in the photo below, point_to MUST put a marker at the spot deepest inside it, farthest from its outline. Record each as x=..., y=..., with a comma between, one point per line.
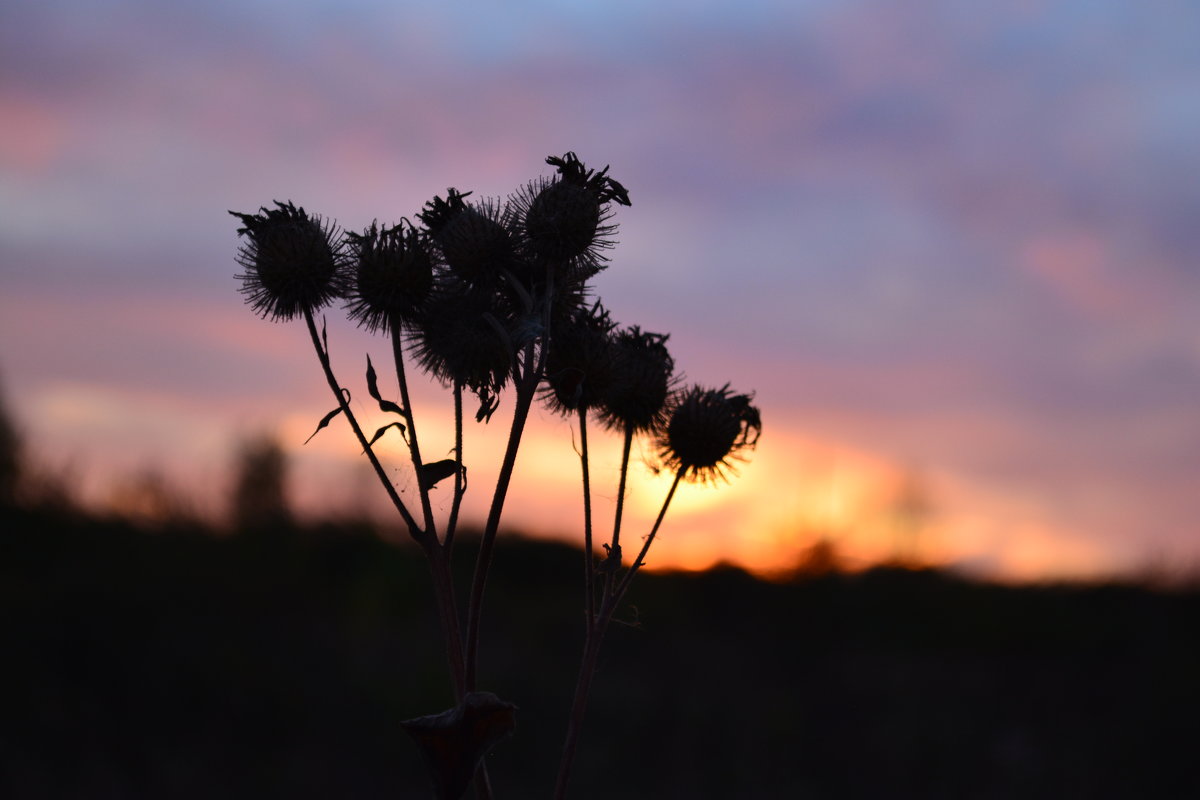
x=181, y=665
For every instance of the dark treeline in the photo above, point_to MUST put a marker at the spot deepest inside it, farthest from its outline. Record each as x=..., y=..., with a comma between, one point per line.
x=181, y=664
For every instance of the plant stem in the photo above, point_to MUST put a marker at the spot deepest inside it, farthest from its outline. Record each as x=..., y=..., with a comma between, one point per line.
x=623, y=586
x=414, y=448
x=437, y=553
x=530, y=375
x=414, y=529
x=526, y=390
x=612, y=562
x=583, y=685
x=443, y=590
x=616, y=538
x=595, y=636
x=589, y=568
x=459, y=487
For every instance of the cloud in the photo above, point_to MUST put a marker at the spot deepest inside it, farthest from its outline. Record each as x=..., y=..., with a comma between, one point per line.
x=962, y=240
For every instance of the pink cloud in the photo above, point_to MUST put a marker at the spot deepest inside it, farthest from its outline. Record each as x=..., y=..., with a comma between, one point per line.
x=858, y=212
x=33, y=135
x=1076, y=267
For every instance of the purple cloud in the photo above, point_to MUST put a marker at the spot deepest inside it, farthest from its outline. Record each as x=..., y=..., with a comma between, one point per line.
x=881, y=219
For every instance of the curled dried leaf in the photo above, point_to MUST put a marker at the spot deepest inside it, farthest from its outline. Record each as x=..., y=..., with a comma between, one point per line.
x=373, y=389
x=383, y=430
x=432, y=474
x=454, y=742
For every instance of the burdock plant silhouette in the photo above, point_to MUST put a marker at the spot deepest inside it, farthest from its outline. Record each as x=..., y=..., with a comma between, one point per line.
x=491, y=297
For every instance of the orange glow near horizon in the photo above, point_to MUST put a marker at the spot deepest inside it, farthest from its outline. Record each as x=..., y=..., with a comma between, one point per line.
x=974, y=341
x=791, y=493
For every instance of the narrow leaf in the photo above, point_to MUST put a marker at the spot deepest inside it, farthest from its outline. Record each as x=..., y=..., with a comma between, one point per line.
x=383, y=430
x=373, y=388
x=431, y=474
x=324, y=421
x=372, y=381
x=324, y=338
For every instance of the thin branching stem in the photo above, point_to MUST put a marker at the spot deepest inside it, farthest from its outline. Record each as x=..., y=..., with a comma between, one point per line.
x=613, y=562
x=459, y=484
x=443, y=589
x=625, y=448
x=595, y=637
x=414, y=449
x=623, y=586
x=483, y=784
x=526, y=380
x=526, y=390
x=439, y=553
x=589, y=568
x=414, y=529
x=583, y=685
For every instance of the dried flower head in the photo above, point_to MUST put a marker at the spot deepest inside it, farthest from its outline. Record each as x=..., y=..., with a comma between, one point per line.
x=294, y=262
x=707, y=429
x=474, y=238
x=563, y=220
x=392, y=276
x=641, y=382
x=579, y=363
x=462, y=338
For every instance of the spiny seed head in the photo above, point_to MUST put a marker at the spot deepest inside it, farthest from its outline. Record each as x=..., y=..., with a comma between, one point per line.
x=462, y=338
x=563, y=220
x=437, y=213
x=606, y=189
x=579, y=363
x=474, y=238
x=293, y=262
x=706, y=429
x=641, y=381
x=392, y=276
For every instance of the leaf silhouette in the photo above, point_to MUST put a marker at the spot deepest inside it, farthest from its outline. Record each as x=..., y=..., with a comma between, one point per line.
x=431, y=474
x=372, y=380
x=373, y=388
x=383, y=430
x=455, y=741
x=324, y=421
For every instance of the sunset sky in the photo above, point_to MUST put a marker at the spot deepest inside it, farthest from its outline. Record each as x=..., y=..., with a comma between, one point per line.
x=953, y=247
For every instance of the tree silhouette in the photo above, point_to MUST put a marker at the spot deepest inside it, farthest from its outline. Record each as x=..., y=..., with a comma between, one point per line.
x=259, y=498
x=10, y=457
